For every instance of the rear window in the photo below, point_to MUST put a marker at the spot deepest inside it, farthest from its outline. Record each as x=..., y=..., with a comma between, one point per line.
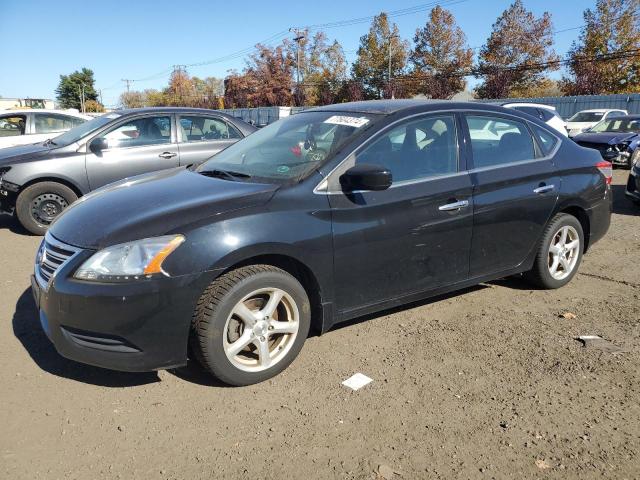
x=546, y=140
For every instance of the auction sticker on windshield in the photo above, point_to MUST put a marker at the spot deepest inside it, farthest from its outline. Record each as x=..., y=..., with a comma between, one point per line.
x=355, y=122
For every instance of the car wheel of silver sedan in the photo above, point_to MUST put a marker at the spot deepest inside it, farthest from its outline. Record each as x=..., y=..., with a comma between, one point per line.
x=250, y=324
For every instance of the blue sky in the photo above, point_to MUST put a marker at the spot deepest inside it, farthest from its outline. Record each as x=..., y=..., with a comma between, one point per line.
x=142, y=39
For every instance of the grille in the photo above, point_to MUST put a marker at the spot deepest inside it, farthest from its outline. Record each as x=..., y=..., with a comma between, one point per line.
x=52, y=255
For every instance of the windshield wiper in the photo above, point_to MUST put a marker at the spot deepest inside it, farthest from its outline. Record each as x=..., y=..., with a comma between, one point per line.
x=49, y=142
x=233, y=176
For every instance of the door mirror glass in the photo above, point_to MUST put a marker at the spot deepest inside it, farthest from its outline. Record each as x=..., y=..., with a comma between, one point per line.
x=366, y=177
x=98, y=144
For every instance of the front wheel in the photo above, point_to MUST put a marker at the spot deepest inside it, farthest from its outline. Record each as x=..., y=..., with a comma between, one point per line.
x=38, y=205
x=559, y=254
x=250, y=324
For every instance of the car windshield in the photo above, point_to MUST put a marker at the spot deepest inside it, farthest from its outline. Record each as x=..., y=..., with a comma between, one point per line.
x=289, y=149
x=587, y=117
x=77, y=133
x=618, y=125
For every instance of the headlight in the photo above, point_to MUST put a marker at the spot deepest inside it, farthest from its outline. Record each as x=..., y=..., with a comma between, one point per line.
x=129, y=261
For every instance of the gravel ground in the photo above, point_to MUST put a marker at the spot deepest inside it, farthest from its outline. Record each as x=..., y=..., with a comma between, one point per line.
x=488, y=382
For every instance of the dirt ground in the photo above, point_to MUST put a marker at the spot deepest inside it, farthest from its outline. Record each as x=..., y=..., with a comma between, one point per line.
x=486, y=383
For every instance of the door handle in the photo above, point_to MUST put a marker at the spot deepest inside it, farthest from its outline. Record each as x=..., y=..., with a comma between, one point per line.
x=544, y=189
x=167, y=155
x=454, y=206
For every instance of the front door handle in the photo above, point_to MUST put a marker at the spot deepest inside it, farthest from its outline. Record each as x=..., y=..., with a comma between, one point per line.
x=544, y=189
x=454, y=206
x=167, y=155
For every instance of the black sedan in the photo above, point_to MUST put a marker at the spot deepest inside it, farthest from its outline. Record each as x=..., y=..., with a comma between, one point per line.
x=236, y=260
x=617, y=139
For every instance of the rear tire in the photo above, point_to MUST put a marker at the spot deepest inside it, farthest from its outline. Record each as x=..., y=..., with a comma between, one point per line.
x=250, y=324
x=559, y=254
x=38, y=205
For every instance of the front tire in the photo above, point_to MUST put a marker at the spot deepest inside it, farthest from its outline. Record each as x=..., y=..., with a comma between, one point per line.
x=559, y=254
x=38, y=205
x=250, y=324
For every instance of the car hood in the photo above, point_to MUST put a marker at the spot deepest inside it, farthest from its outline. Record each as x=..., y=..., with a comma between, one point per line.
x=579, y=125
x=605, y=138
x=153, y=204
x=23, y=153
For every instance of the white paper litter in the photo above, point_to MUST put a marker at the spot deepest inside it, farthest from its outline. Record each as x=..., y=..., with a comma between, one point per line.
x=357, y=381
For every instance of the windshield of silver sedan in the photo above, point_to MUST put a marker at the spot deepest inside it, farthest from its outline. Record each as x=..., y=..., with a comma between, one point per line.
x=289, y=149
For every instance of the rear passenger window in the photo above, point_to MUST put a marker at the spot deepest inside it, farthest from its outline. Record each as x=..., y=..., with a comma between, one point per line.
x=416, y=149
x=496, y=141
x=546, y=140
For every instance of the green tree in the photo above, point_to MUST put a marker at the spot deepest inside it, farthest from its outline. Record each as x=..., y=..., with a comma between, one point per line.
x=371, y=67
x=609, y=30
x=510, y=62
x=323, y=68
x=69, y=91
x=440, y=57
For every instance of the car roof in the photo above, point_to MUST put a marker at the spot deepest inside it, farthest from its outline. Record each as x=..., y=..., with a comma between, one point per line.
x=22, y=111
x=598, y=110
x=127, y=111
x=389, y=107
x=527, y=104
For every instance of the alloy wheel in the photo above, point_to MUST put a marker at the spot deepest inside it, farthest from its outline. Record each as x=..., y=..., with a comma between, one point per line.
x=564, y=251
x=261, y=329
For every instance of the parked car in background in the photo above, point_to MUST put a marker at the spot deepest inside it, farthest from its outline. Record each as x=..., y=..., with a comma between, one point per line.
x=546, y=113
x=584, y=120
x=238, y=258
x=633, y=184
x=39, y=181
x=617, y=139
x=20, y=127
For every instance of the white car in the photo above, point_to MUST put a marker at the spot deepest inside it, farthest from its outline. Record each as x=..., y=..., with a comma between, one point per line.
x=21, y=127
x=546, y=113
x=586, y=119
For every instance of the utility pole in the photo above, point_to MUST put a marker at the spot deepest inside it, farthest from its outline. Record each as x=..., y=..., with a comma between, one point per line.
x=300, y=36
x=391, y=37
x=128, y=82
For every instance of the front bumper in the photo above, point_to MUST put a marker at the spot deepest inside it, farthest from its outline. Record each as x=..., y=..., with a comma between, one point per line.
x=132, y=327
x=633, y=184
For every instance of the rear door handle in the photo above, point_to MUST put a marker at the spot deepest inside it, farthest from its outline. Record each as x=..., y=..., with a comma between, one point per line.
x=454, y=206
x=167, y=155
x=544, y=189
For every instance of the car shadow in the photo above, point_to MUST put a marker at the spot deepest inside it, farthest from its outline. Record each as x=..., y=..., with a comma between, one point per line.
x=10, y=223
x=408, y=306
x=621, y=204
x=27, y=329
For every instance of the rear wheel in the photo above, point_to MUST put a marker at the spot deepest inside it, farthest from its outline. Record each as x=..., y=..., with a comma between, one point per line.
x=559, y=254
x=38, y=205
x=250, y=324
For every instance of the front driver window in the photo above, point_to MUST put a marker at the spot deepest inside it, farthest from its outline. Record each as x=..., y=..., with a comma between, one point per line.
x=140, y=132
x=13, y=125
x=197, y=129
x=417, y=149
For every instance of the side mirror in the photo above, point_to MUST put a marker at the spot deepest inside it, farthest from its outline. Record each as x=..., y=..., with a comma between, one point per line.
x=98, y=144
x=366, y=177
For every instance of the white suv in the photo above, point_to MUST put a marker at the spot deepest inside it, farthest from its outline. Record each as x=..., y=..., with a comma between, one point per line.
x=546, y=113
x=586, y=119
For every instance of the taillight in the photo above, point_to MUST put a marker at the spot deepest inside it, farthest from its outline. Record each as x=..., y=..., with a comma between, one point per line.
x=606, y=169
